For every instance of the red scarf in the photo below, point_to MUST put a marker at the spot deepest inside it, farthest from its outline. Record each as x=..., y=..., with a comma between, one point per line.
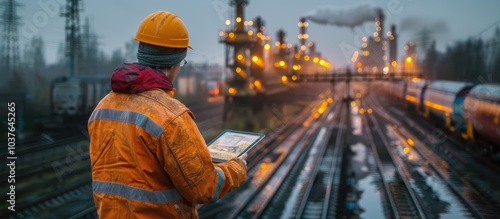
x=135, y=78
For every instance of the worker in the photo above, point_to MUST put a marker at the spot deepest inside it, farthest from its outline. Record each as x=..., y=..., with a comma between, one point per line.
x=148, y=158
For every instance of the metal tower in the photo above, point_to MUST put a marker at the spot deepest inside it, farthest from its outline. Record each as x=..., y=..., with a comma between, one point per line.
x=10, y=44
x=73, y=38
x=238, y=43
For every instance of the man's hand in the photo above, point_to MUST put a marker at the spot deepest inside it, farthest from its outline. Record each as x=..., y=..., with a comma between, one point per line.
x=243, y=157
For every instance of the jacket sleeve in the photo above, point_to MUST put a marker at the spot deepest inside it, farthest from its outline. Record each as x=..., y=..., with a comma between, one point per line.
x=188, y=162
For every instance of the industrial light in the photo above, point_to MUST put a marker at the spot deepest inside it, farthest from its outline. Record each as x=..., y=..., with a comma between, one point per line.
x=232, y=90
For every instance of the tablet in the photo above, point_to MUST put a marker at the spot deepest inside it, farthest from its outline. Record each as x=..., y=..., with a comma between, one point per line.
x=231, y=143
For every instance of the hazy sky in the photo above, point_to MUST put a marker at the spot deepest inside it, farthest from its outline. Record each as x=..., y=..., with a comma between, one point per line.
x=116, y=22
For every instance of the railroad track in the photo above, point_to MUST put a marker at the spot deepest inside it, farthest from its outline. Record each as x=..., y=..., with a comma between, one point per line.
x=445, y=172
x=319, y=199
x=398, y=191
x=53, y=204
x=86, y=213
x=267, y=165
x=43, y=169
x=40, y=153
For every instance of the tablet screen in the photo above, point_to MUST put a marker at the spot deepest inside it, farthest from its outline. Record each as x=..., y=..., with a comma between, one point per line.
x=231, y=143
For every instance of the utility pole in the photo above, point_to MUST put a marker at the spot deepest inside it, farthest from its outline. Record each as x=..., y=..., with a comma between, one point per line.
x=73, y=39
x=10, y=44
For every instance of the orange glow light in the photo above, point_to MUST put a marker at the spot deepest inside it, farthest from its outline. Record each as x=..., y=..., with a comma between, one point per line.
x=359, y=65
x=257, y=84
x=438, y=107
x=411, y=98
x=284, y=78
x=410, y=142
x=406, y=150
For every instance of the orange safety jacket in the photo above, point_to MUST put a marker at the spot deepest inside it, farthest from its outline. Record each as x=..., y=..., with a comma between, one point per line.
x=149, y=160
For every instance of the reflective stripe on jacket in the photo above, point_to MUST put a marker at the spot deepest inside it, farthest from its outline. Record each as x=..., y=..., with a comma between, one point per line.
x=149, y=159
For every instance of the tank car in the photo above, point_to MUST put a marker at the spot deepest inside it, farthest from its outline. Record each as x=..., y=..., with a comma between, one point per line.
x=482, y=113
x=415, y=91
x=444, y=100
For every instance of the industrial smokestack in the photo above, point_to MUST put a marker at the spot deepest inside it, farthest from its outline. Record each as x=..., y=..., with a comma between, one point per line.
x=281, y=36
x=351, y=16
x=303, y=36
x=282, y=44
x=393, y=43
x=379, y=21
x=259, y=24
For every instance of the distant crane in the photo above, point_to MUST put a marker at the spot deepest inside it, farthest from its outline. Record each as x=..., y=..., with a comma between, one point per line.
x=10, y=44
x=73, y=36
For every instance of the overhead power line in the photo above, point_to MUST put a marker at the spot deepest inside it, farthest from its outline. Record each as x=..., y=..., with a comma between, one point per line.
x=488, y=27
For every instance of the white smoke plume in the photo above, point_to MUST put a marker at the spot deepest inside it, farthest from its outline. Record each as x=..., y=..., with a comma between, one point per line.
x=351, y=16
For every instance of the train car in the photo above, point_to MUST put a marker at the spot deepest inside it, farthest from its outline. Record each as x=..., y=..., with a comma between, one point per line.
x=482, y=113
x=78, y=96
x=415, y=92
x=445, y=100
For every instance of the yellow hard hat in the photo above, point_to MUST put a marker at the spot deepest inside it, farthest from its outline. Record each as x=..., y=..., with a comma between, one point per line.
x=164, y=29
